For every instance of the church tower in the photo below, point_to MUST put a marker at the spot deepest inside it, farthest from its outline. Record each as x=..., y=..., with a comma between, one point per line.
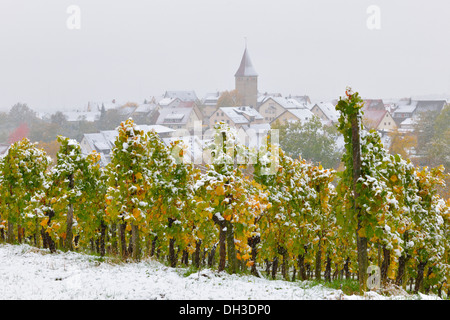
x=246, y=81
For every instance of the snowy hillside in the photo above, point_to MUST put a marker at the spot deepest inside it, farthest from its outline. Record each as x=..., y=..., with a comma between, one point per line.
x=30, y=273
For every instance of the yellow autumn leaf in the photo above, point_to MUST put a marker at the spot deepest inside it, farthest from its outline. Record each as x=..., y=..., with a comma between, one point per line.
x=394, y=178
x=220, y=191
x=136, y=213
x=138, y=175
x=44, y=222
x=128, y=228
x=362, y=233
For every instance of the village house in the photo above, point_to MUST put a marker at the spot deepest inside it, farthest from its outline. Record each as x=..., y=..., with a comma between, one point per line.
x=293, y=115
x=236, y=116
x=147, y=110
x=377, y=117
x=404, y=111
x=169, y=102
x=326, y=111
x=209, y=105
x=408, y=125
x=178, y=118
x=271, y=107
x=303, y=100
x=380, y=120
x=414, y=108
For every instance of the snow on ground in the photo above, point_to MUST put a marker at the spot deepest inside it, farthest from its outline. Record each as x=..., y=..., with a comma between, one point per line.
x=30, y=273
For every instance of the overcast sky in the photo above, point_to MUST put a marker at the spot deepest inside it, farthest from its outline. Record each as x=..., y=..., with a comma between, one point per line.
x=130, y=50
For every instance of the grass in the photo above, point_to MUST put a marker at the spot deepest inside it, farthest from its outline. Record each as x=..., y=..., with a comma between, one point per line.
x=348, y=286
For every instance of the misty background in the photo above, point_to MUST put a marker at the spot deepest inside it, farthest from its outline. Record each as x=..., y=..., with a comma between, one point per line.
x=131, y=50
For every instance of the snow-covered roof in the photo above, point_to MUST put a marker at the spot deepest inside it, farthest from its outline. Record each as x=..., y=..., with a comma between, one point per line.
x=329, y=110
x=127, y=110
x=302, y=99
x=408, y=121
x=406, y=108
x=110, y=135
x=99, y=142
x=373, y=117
x=156, y=127
x=373, y=104
x=408, y=125
x=302, y=114
x=73, y=116
x=3, y=149
x=145, y=108
x=237, y=114
x=174, y=115
x=166, y=101
x=288, y=103
x=430, y=105
x=182, y=95
x=211, y=98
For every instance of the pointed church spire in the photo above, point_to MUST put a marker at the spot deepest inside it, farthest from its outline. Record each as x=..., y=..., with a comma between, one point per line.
x=246, y=68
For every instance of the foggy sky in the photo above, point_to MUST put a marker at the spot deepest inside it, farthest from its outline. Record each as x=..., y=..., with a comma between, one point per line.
x=130, y=50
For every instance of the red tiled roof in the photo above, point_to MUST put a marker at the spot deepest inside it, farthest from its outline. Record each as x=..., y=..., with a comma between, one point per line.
x=374, y=116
